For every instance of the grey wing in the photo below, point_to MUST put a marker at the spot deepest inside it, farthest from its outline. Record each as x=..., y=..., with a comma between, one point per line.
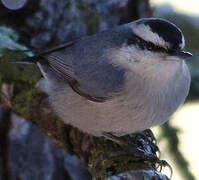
x=67, y=72
x=87, y=70
x=99, y=85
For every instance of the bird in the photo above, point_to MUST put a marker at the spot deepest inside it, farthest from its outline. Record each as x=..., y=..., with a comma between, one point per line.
x=118, y=81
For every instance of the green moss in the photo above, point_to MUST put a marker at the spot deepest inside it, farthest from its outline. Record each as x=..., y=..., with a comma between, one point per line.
x=114, y=165
x=11, y=72
x=59, y=123
x=25, y=103
x=24, y=78
x=113, y=162
x=10, y=52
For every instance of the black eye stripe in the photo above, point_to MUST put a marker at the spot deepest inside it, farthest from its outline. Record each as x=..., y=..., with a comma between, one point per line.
x=142, y=44
x=168, y=31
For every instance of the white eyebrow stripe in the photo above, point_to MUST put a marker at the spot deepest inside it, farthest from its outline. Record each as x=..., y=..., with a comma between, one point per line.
x=144, y=31
x=182, y=45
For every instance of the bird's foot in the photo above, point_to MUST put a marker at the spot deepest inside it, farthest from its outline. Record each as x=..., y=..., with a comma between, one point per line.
x=142, y=146
x=133, y=145
x=148, y=135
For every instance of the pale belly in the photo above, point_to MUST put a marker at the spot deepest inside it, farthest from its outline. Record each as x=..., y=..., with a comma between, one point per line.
x=135, y=110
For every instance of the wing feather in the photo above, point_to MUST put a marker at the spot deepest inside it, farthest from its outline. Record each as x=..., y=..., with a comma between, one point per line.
x=87, y=65
x=61, y=69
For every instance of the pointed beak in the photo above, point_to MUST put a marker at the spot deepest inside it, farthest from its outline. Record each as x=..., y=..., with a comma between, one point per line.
x=181, y=54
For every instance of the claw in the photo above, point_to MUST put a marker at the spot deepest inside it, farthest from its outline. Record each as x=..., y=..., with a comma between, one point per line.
x=150, y=135
x=163, y=163
x=146, y=142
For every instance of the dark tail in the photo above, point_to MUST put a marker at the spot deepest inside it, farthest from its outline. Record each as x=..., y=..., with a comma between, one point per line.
x=40, y=55
x=28, y=60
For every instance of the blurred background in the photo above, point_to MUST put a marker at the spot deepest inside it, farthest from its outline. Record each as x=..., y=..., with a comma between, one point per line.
x=184, y=122
x=43, y=23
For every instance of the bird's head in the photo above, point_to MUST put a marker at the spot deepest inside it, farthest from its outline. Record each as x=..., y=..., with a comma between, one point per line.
x=158, y=37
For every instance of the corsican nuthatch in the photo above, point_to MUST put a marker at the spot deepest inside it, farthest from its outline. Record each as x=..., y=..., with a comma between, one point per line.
x=118, y=81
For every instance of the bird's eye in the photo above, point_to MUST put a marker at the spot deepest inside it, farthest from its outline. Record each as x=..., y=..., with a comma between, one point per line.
x=150, y=46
